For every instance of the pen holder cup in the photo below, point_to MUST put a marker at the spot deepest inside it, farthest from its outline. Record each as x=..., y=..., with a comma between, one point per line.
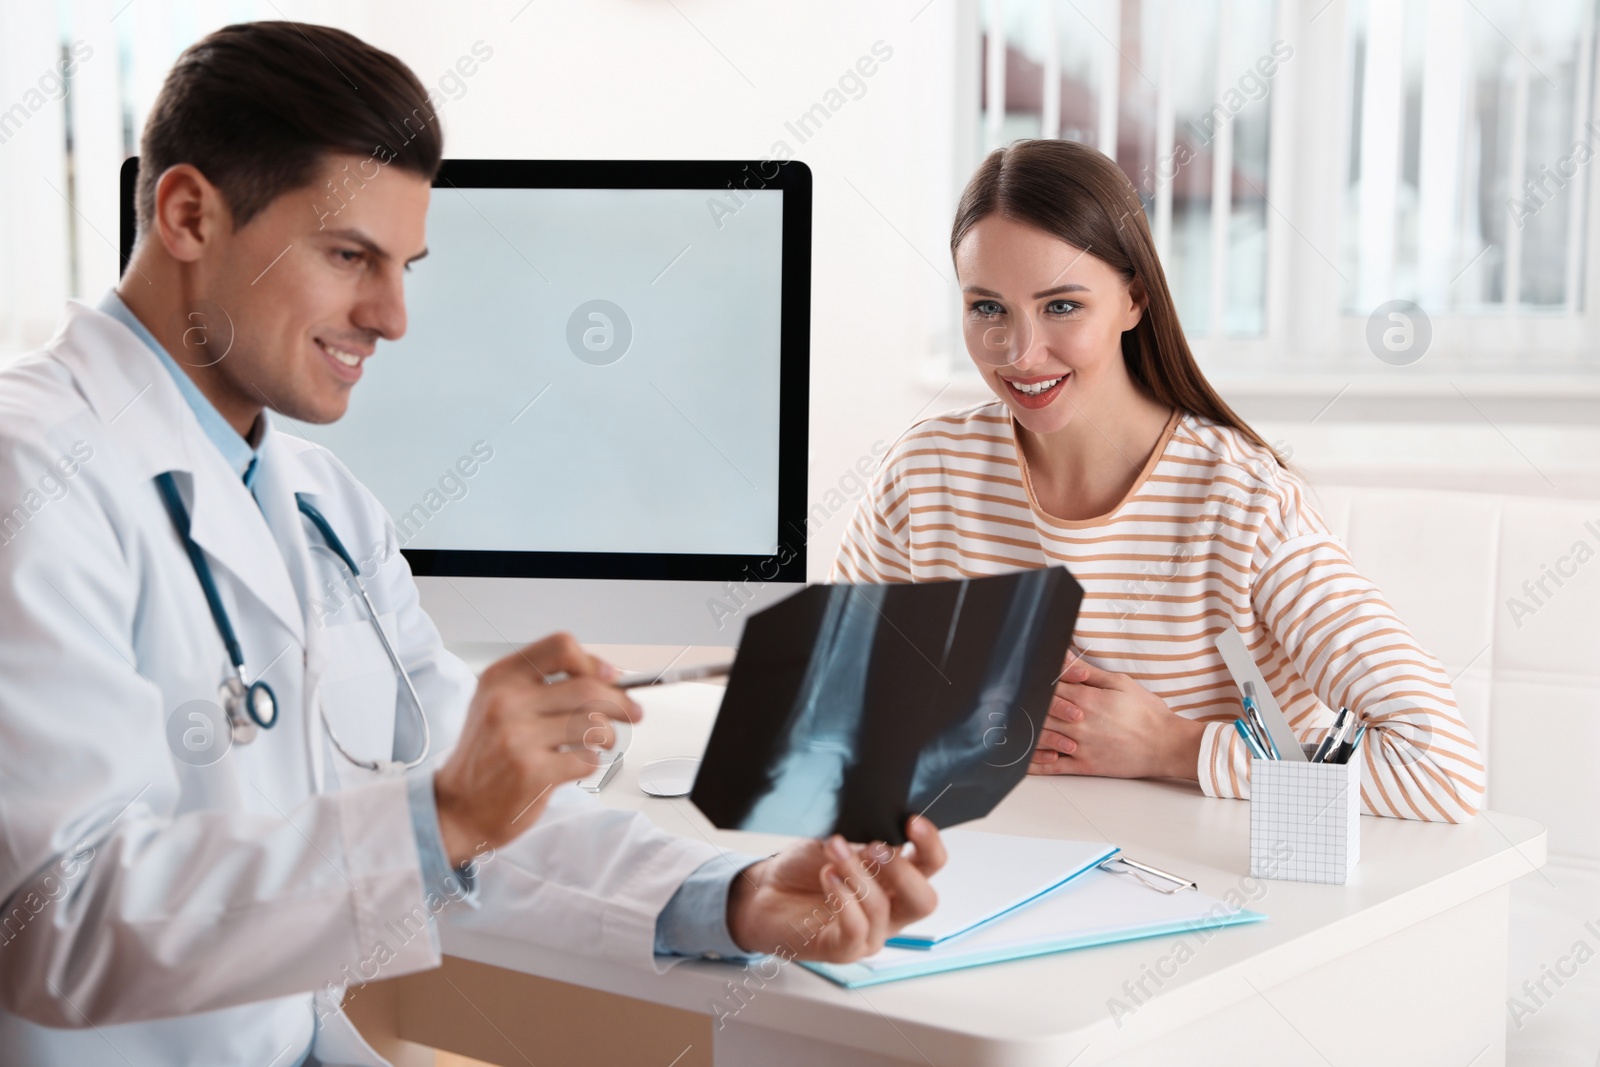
x=1305, y=819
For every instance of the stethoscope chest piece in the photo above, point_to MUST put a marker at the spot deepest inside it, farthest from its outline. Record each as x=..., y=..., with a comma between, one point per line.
x=249, y=708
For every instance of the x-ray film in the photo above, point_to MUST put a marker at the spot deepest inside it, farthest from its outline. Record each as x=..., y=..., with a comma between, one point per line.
x=852, y=707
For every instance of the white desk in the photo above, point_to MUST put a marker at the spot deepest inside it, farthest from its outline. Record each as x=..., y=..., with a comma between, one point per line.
x=1405, y=964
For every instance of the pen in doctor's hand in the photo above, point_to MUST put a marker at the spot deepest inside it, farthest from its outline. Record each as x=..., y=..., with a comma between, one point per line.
x=682, y=674
x=512, y=751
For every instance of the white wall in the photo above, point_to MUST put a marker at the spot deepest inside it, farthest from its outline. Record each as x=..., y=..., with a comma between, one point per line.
x=715, y=79
x=719, y=79
x=630, y=78
x=624, y=79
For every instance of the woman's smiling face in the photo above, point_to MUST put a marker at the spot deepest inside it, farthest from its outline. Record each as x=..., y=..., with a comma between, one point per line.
x=1043, y=320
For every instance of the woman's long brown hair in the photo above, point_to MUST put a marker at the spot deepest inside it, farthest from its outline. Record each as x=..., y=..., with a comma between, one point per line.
x=1073, y=192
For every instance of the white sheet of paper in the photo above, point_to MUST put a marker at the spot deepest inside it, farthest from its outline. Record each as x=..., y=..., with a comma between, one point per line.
x=988, y=874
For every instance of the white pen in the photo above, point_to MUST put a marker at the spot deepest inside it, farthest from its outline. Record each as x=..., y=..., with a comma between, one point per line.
x=644, y=678
x=682, y=674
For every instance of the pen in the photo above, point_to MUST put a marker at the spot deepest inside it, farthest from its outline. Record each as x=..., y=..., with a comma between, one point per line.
x=1334, y=737
x=1258, y=729
x=1340, y=752
x=682, y=674
x=1250, y=741
x=1348, y=749
x=1257, y=723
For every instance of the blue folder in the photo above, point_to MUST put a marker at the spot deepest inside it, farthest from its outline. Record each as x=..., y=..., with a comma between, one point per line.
x=1095, y=908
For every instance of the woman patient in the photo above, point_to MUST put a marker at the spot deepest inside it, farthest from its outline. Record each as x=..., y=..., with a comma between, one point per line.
x=1109, y=452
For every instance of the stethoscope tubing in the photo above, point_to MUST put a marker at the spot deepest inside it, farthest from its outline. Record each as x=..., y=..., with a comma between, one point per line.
x=326, y=529
x=180, y=518
x=219, y=615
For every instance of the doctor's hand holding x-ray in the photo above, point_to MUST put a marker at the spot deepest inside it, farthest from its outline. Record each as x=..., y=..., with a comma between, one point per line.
x=519, y=740
x=524, y=734
x=168, y=552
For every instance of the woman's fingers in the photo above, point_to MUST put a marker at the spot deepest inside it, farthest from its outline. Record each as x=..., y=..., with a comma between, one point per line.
x=1059, y=765
x=1086, y=697
x=1055, y=741
x=1086, y=674
x=1065, y=710
x=1053, y=761
x=1061, y=725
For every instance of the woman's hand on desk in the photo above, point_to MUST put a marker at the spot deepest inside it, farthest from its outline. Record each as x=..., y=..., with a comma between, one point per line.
x=832, y=901
x=1108, y=724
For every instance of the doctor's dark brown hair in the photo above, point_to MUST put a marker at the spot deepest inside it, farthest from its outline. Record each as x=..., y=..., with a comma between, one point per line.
x=256, y=107
x=1077, y=194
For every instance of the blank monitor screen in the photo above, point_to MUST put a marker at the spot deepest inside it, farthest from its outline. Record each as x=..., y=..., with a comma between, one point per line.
x=612, y=353
x=603, y=373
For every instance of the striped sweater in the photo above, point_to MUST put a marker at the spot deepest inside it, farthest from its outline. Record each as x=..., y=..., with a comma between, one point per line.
x=1212, y=533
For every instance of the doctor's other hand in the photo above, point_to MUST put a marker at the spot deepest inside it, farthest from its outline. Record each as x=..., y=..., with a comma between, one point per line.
x=525, y=734
x=832, y=901
x=1105, y=723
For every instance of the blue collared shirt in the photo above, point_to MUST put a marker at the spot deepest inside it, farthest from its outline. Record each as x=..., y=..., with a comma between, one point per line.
x=235, y=449
x=694, y=922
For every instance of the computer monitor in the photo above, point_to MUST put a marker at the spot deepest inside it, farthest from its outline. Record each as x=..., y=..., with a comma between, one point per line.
x=597, y=418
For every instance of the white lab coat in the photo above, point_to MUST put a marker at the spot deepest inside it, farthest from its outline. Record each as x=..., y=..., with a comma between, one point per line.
x=163, y=913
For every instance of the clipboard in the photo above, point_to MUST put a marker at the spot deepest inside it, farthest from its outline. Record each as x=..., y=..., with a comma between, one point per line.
x=1096, y=908
x=989, y=876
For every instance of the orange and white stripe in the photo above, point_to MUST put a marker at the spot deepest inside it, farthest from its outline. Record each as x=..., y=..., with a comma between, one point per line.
x=1213, y=533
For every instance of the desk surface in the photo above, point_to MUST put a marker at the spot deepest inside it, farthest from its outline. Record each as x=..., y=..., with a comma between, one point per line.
x=1049, y=1008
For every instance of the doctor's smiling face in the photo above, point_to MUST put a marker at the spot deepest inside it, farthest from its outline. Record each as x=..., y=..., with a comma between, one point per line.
x=270, y=264
x=309, y=284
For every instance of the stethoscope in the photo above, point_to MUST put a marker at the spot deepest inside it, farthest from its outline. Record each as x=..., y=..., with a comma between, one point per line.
x=252, y=706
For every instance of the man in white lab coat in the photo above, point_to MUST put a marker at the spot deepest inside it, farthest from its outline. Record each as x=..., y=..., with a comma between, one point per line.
x=178, y=895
